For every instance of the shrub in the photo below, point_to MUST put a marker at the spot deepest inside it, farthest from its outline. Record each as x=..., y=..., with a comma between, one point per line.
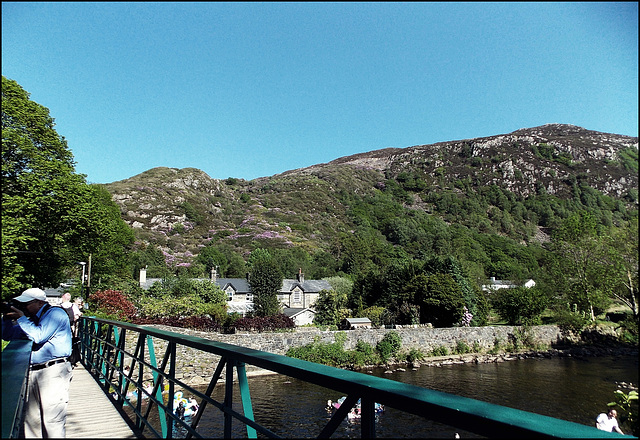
x=462, y=347
x=322, y=353
x=384, y=350
x=388, y=346
x=113, y=303
x=414, y=355
x=570, y=322
x=394, y=339
x=440, y=351
x=629, y=330
x=364, y=354
x=365, y=348
x=200, y=323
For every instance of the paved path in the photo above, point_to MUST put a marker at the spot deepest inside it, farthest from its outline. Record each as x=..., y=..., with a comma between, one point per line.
x=90, y=413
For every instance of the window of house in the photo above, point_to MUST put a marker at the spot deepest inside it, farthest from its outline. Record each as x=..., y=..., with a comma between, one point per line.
x=297, y=296
x=230, y=294
x=249, y=297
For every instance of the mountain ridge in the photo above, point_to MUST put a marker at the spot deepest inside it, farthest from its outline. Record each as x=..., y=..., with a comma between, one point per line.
x=183, y=210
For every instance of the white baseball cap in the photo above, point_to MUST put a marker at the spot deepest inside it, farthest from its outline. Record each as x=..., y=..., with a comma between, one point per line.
x=31, y=294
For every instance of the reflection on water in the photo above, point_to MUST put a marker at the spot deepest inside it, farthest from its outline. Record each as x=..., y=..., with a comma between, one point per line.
x=566, y=388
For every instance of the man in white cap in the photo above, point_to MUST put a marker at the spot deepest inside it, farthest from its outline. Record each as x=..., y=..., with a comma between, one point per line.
x=50, y=372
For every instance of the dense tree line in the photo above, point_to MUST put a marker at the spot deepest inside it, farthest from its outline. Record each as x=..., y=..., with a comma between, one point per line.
x=51, y=218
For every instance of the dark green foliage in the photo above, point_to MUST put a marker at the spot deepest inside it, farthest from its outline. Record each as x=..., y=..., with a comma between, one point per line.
x=462, y=347
x=629, y=159
x=571, y=322
x=440, y=351
x=329, y=308
x=520, y=305
x=332, y=354
x=440, y=299
x=191, y=212
x=394, y=340
x=266, y=281
x=414, y=355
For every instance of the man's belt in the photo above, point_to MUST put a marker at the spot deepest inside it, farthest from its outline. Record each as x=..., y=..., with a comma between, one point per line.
x=36, y=367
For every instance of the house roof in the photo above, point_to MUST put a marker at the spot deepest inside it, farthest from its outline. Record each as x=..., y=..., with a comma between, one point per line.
x=308, y=286
x=291, y=311
x=241, y=285
x=359, y=320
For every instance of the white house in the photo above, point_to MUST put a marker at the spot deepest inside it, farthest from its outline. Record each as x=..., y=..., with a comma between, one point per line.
x=355, y=323
x=504, y=284
x=300, y=316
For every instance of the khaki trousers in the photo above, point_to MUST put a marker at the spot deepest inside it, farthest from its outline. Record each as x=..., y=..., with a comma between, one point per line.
x=47, y=400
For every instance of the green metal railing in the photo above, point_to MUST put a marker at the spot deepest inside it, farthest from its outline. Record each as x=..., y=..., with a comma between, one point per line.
x=15, y=373
x=105, y=355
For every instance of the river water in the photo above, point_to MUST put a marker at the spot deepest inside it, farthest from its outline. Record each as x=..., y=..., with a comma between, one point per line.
x=574, y=389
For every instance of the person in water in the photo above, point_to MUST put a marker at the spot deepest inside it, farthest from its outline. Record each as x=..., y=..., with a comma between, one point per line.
x=180, y=411
x=608, y=422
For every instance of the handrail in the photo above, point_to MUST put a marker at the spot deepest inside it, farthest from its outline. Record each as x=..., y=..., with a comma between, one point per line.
x=15, y=374
x=106, y=353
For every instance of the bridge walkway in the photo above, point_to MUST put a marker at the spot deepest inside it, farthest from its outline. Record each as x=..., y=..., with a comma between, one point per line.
x=90, y=413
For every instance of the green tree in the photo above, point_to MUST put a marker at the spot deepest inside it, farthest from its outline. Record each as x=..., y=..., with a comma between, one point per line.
x=330, y=308
x=51, y=218
x=228, y=262
x=265, y=281
x=583, y=259
x=520, y=305
x=624, y=259
x=439, y=297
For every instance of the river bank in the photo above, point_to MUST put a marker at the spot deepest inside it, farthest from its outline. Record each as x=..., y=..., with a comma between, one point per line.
x=492, y=344
x=584, y=351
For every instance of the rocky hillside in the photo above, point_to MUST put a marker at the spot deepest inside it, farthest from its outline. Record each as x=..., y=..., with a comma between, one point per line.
x=182, y=210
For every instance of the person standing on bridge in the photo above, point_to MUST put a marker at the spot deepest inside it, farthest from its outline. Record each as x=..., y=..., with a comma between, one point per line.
x=50, y=372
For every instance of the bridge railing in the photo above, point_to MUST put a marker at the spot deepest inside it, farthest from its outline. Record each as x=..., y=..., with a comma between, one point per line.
x=106, y=354
x=15, y=374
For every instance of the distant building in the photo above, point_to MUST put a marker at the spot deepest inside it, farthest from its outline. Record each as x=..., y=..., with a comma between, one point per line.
x=504, y=284
x=355, y=323
x=300, y=316
x=296, y=294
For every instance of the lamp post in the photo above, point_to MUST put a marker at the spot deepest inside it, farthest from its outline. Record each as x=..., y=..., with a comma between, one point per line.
x=82, y=263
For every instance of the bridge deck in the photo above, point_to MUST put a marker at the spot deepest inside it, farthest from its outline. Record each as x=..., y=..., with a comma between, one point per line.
x=90, y=413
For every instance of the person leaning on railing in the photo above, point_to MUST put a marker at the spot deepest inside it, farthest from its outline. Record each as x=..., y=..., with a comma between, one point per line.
x=50, y=373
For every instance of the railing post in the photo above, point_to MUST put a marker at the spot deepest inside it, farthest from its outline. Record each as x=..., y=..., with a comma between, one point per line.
x=228, y=399
x=172, y=376
x=367, y=418
x=246, y=397
x=161, y=413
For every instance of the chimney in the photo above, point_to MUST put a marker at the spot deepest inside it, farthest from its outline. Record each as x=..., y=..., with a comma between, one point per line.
x=143, y=275
x=214, y=274
x=300, y=275
x=247, y=277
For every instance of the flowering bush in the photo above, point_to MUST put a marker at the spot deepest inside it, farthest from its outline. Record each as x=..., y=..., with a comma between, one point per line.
x=113, y=303
x=466, y=318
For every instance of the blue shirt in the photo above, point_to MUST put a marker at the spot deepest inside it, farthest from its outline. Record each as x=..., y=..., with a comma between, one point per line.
x=51, y=336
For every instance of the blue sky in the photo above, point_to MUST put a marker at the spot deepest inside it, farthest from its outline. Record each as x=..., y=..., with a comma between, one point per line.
x=255, y=89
